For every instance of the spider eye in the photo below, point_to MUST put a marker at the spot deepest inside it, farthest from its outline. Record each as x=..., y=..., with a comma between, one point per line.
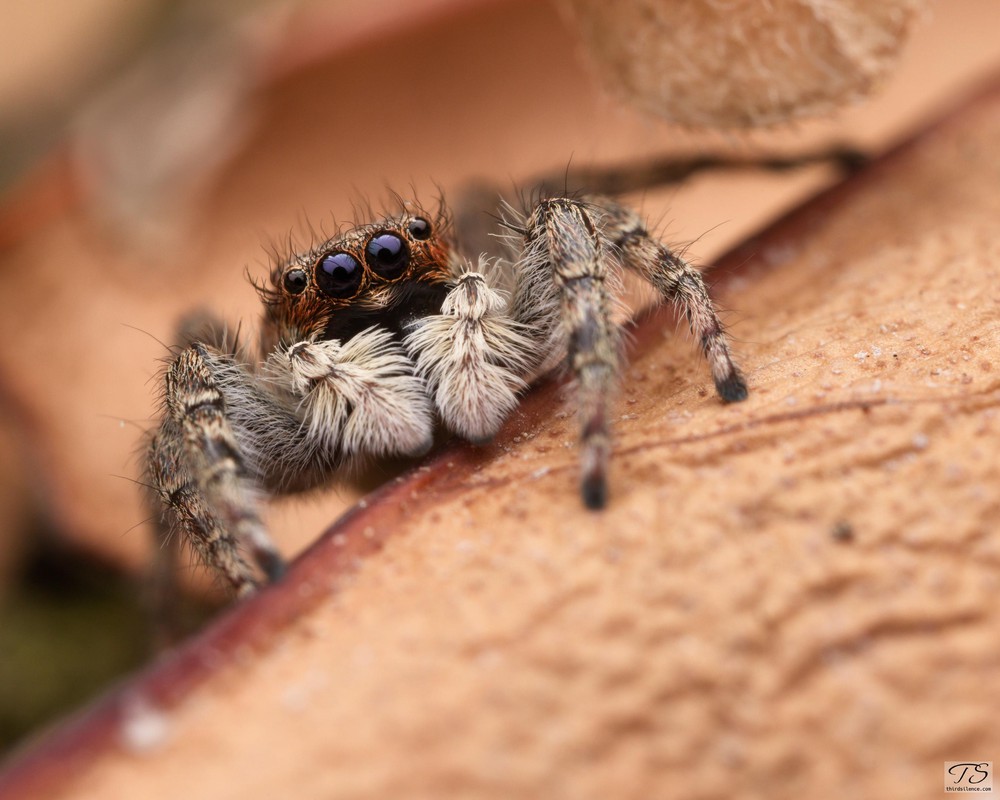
x=339, y=275
x=295, y=281
x=387, y=255
x=419, y=228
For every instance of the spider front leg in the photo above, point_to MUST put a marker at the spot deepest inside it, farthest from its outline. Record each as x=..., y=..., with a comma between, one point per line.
x=564, y=297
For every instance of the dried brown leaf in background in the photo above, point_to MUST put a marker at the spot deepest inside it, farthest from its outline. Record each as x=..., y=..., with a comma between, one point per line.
x=725, y=64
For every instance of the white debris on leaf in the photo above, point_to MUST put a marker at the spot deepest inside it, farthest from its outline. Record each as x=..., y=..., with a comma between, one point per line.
x=144, y=728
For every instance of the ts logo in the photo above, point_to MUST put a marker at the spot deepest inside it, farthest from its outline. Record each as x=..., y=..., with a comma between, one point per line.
x=968, y=776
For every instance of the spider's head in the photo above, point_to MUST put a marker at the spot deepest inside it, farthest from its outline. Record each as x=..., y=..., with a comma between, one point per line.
x=377, y=273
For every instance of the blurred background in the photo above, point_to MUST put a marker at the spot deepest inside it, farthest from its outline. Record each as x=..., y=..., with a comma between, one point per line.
x=154, y=151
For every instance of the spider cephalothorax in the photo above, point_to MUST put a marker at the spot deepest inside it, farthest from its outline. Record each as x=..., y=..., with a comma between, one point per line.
x=358, y=278
x=374, y=337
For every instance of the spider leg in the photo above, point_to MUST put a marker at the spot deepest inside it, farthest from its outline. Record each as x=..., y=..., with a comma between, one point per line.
x=563, y=296
x=200, y=474
x=676, y=280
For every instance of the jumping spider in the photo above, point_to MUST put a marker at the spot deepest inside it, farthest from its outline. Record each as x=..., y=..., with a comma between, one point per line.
x=371, y=337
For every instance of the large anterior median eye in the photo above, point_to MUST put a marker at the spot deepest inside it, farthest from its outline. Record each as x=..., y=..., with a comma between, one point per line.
x=387, y=255
x=339, y=275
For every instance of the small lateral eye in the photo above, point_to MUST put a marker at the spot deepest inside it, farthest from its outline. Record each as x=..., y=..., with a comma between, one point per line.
x=338, y=275
x=296, y=281
x=419, y=228
x=387, y=255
